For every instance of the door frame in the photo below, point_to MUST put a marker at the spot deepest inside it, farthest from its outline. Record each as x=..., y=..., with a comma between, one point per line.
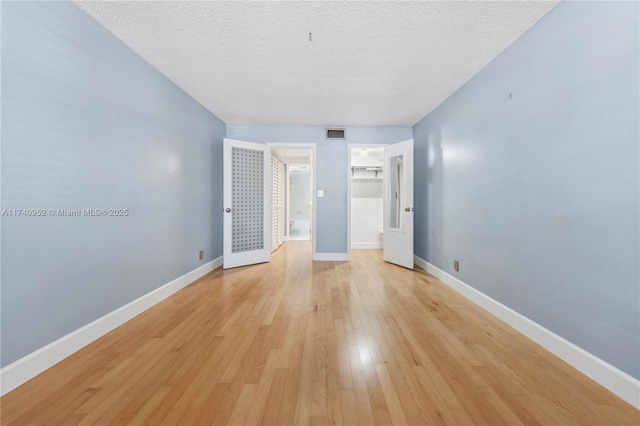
x=349, y=148
x=311, y=146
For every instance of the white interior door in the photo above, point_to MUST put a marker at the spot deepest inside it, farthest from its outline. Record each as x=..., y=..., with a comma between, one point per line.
x=398, y=204
x=247, y=203
x=277, y=203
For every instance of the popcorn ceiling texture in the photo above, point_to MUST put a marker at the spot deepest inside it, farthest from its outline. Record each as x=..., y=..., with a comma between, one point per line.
x=368, y=64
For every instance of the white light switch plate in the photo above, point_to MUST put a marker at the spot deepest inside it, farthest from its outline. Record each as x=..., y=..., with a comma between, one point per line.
x=320, y=193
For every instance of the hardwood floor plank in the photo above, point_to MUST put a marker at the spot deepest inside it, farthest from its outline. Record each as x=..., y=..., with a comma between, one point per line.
x=319, y=391
x=349, y=407
x=382, y=416
x=141, y=416
x=300, y=342
x=213, y=403
x=305, y=389
x=275, y=396
x=342, y=353
x=242, y=406
x=287, y=412
x=444, y=406
x=259, y=402
x=363, y=403
x=394, y=405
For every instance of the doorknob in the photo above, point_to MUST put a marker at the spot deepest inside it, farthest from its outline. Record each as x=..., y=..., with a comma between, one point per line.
x=228, y=210
x=407, y=209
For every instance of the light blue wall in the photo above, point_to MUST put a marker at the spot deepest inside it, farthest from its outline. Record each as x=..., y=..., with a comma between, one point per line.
x=537, y=194
x=86, y=123
x=331, y=174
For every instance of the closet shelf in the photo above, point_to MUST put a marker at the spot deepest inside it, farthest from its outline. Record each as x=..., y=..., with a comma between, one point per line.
x=376, y=169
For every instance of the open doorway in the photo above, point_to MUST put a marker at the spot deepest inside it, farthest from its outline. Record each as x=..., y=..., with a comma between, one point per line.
x=294, y=217
x=299, y=202
x=366, y=196
x=380, y=200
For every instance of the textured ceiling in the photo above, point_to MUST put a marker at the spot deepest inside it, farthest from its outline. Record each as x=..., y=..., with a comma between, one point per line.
x=369, y=63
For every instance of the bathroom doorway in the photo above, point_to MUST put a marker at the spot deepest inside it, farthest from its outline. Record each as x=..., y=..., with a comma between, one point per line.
x=299, y=202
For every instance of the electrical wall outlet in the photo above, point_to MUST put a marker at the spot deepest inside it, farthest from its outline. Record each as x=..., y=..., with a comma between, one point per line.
x=456, y=265
x=201, y=254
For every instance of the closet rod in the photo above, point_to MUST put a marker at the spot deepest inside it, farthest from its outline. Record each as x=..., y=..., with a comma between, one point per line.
x=376, y=169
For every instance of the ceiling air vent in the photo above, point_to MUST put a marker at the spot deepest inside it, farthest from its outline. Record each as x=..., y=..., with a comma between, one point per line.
x=335, y=134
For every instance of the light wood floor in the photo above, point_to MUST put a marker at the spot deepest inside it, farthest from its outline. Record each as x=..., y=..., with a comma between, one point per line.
x=296, y=342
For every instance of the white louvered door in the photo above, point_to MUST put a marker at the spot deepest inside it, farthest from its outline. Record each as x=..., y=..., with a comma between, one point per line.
x=281, y=203
x=277, y=203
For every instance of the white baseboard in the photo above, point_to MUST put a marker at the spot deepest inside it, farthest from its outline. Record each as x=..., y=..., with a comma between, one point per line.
x=613, y=379
x=27, y=367
x=359, y=246
x=331, y=257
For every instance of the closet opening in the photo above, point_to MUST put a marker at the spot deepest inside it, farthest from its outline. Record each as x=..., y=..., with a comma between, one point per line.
x=365, y=196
